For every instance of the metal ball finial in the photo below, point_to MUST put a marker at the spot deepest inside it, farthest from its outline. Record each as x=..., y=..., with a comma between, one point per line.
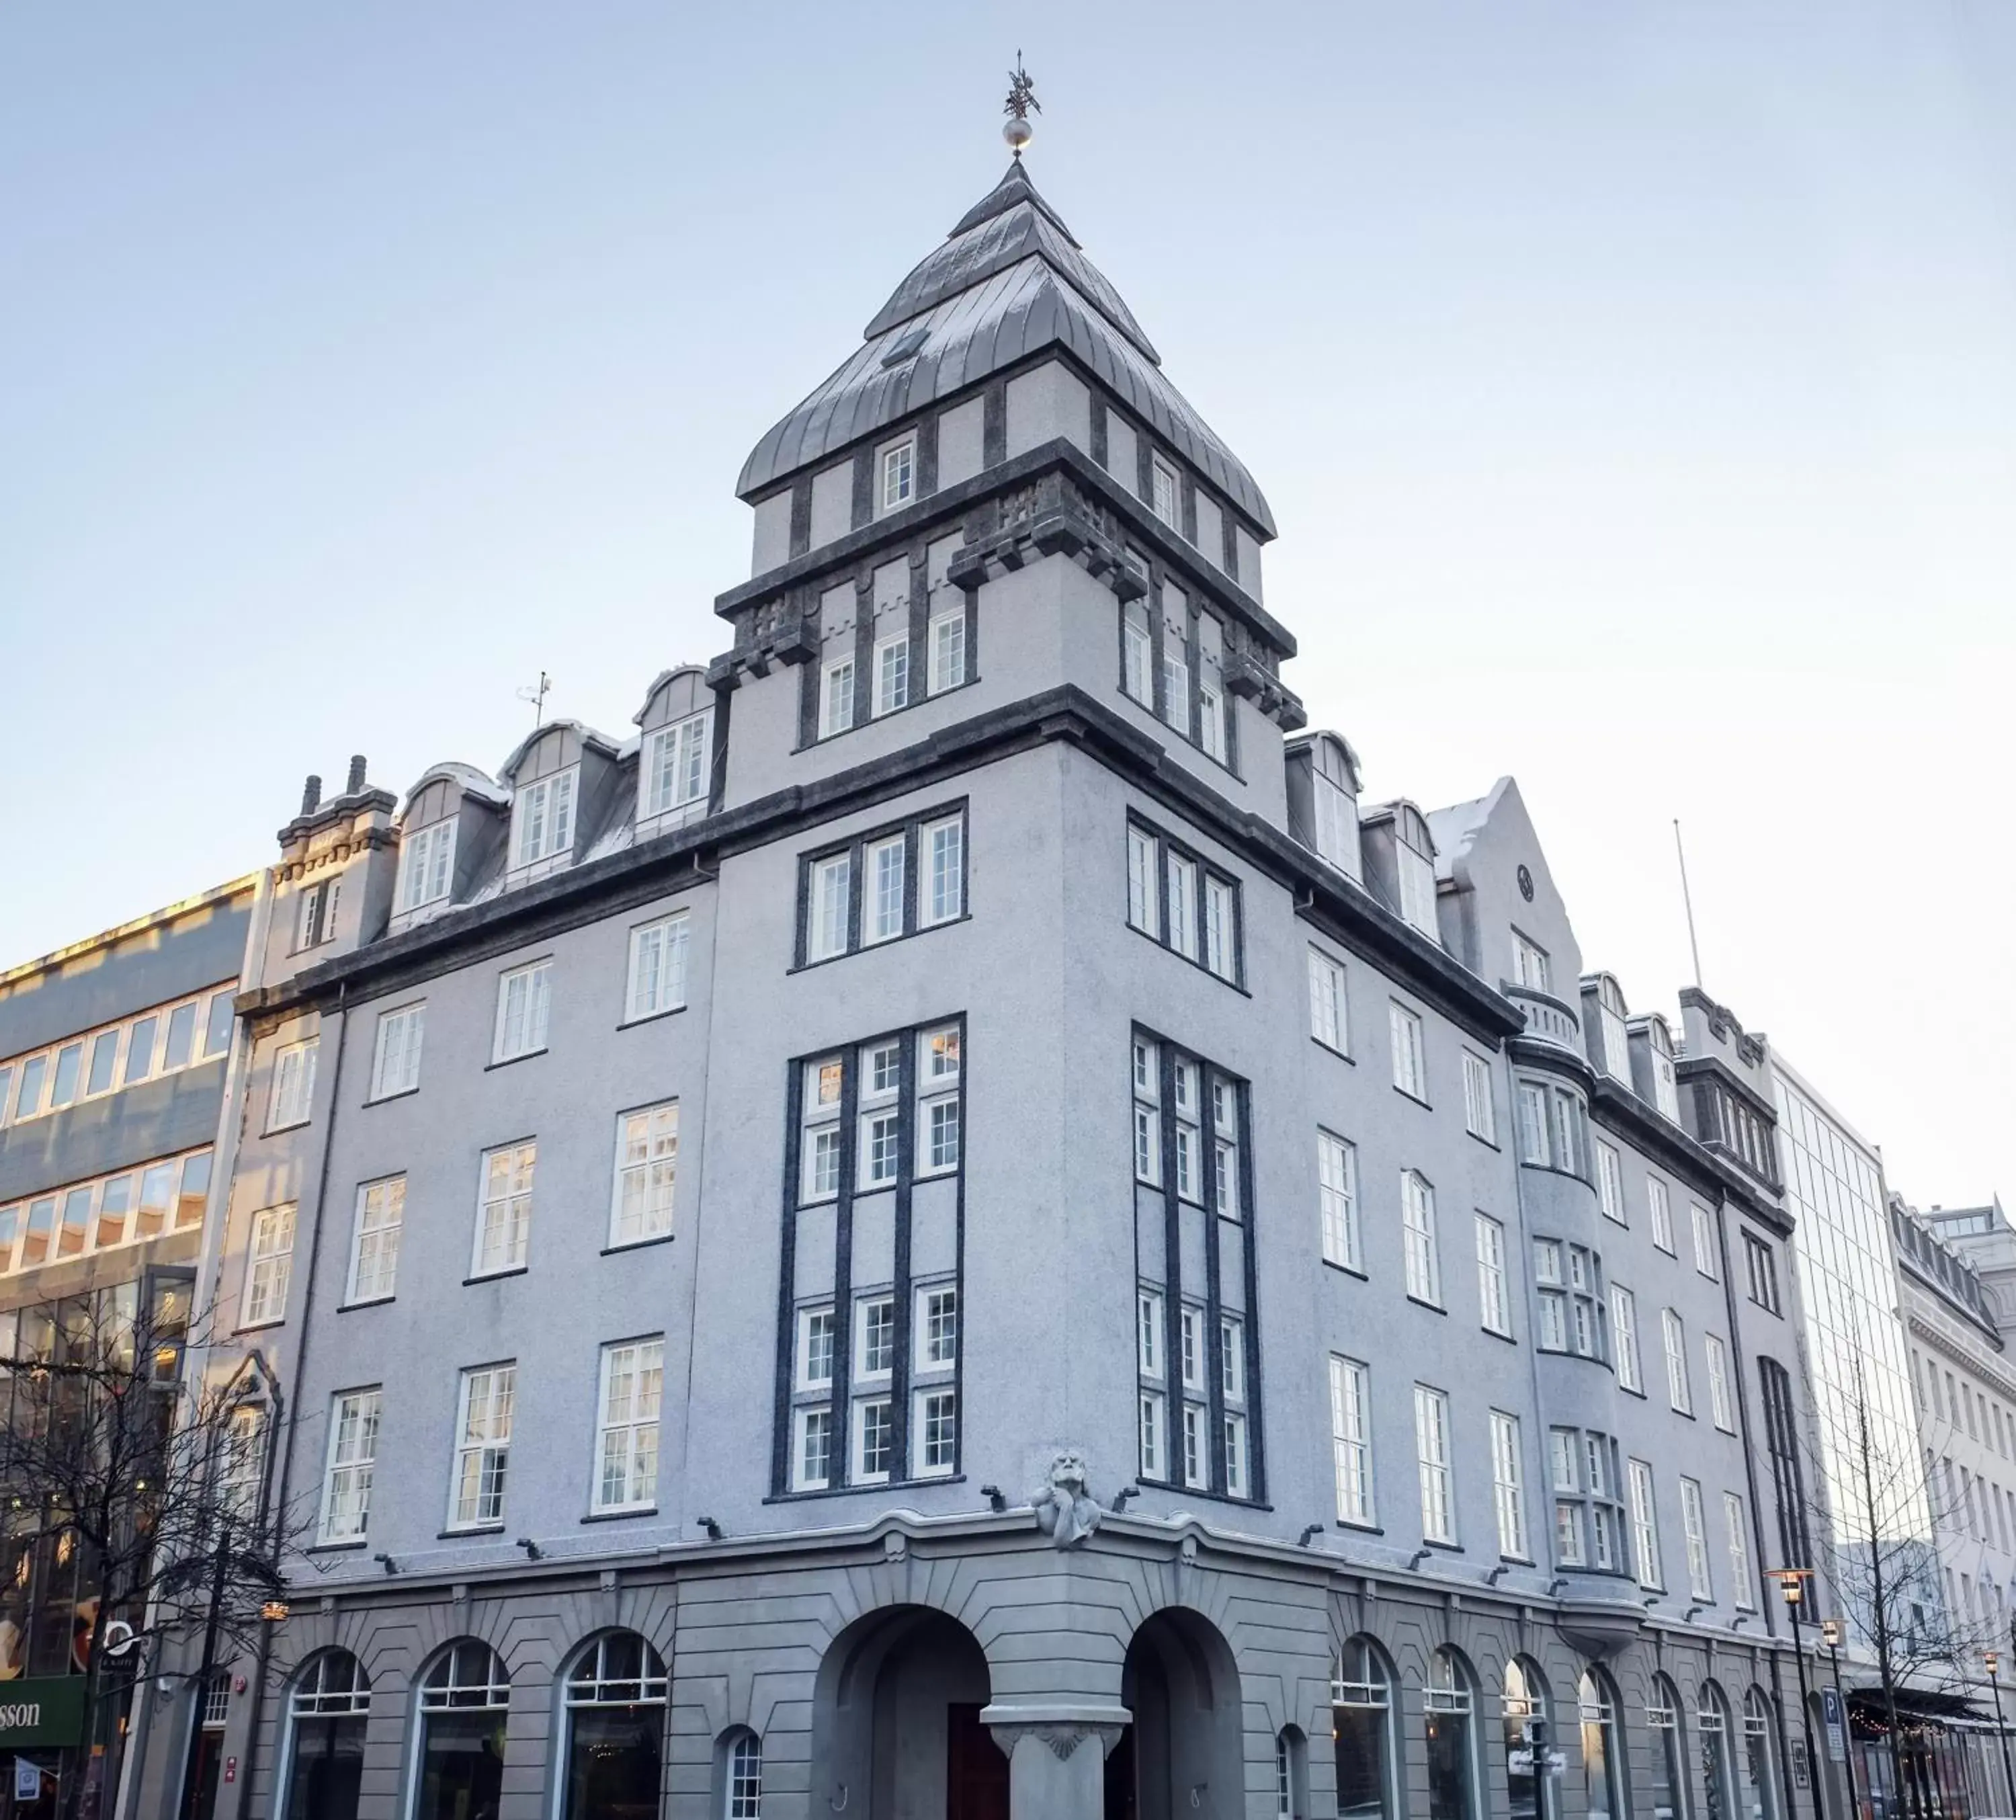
x=1021, y=103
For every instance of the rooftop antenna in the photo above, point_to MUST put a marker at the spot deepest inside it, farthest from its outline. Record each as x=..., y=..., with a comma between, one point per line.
x=1021, y=101
x=1687, y=898
x=537, y=696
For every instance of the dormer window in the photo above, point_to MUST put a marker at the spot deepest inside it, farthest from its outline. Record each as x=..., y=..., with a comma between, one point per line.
x=899, y=474
x=1415, y=856
x=1665, y=1084
x=674, y=771
x=427, y=864
x=1610, y=1015
x=1529, y=959
x=1334, y=804
x=1166, y=498
x=543, y=820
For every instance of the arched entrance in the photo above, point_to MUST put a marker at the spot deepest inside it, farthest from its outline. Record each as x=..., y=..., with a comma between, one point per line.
x=1183, y=1758
x=896, y=1730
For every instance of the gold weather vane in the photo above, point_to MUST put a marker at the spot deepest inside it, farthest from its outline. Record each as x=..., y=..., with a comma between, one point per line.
x=1021, y=101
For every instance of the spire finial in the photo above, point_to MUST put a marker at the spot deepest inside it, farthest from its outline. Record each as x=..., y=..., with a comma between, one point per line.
x=1021, y=101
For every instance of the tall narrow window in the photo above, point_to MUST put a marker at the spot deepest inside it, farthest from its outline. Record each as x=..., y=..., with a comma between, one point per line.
x=1479, y=1118
x=1337, y=1176
x=1661, y=1210
x=353, y=1456
x=1734, y=1520
x=831, y=889
x=293, y=1085
x=1220, y=928
x=483, y=1446
x=882, y=909
x=504, y=1218
x=892, y=673
x=523, y=996
x=819, y=1150
x=374, y=1252
x=1136, y=653
x=1704, y=1246
x=1183, y=906
x=1410, y=1068
x=1165, y=496
x=395, y=1056
x=1330, y=1018
x=811, y=1454
x=1529, y=965
x=944, y=869
x=1351, y=1438
x=647, y=1155
x=1414, y=852
x=672, y=773
x=1721, y=1404
x=1623, y=1337
x=1677, y=1390
x=1143, y=891
x=1694, y=1520
x=1417, y=1218
x=1645, y=1525
x=1507, y=1484
x=1535, y=1147
x=745, y=1778
x=657, y=979
x=269, y=1266
x=626, y=1440
x=1494, y=1300
x=934, y=1430
x=1431, y=1446
x=899, y=475
x=1610, y=1182
x=835, y=698
x=946, y=641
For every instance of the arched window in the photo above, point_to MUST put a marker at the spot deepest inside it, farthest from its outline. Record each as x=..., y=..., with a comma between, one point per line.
x=1760, y=1780
x=1601, y=1765
x=326, y=1710
x=1529, y=1789
x=1361, y=1697
x=1718, y=1788
x=615, y=1701
x=460, y=1769
x=1334, y=781
x=1665, y=1083
x=1662, y=1715
x=1414, y=852
x=744, y=1798
x=1450, y=1705
x=1612, y=1020
x=1291, y=1773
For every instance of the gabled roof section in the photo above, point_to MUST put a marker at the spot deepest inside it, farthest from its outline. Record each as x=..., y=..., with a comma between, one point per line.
x=1010, y=281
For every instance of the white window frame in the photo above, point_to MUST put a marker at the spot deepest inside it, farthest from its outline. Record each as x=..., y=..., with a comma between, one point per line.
x=543, y=817
x=862, y=1473
x=1737, y=1521
x=655, y=981
x=642, y=1193
x=803, y=1419
x=1417, y=871
x=532, y=1020
x=1508, y=1486
x=380, y=1217
x=350, y=1461
x=1337, y=1191
x=944, y=638
x=269, y=1264
x=837, y=692
x=941, y=890
x=1610, y=1182
x=1351, y=1440
x=1137, y=649
x=829, y=895
x=1183, y=905
x=1645, y=1525
x=1480, y=1114
x=925, y=1402
x=672, y=770
x=899, y=474
x=884, y=865
x=293, y=1101
x=1494, y=1295
x=1151, y=1334
x=1410, y=1058
x=1336, y=828
x=1721, y=1405
x=801, y=1363
x=864, y=1308
x=1693, y=1521
x=892, y=674
x=516, y=1245
x=1658, y=1202
x=1329, y=1005
x=395, y=1049
x=480, y=1469
x=1144, y=908
x=1153, y=1435
x=1423, y=1250
x=1432, y=1453
x=1624, y=1338
x=427, y=864
x=1531, y=967
x=628, y=1428
x=935, y=1328
x=1703, y=1222
x=1163, y=480
x=1674, y=1333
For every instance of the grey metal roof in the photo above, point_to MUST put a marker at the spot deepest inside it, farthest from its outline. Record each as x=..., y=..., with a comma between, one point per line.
x=1009, y=280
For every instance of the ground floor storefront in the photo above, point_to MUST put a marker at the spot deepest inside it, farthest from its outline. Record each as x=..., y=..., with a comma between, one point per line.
x=972, y=1669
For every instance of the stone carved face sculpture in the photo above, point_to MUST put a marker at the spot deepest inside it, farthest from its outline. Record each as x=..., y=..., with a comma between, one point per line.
x=1065, y=1512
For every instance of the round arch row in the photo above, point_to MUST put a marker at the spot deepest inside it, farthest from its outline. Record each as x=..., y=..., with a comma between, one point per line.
x=1704, y=1759
x=611, y=1700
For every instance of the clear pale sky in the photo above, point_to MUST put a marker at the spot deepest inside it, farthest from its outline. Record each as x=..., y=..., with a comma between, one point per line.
x=1635, y=386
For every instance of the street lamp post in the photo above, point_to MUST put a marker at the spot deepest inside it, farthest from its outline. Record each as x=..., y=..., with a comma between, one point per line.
x=1831, y=1635
x=1791, y=1583
x=2001, y=1730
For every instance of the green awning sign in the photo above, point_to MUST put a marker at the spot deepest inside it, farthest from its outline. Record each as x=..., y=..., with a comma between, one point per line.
x=49, y=1711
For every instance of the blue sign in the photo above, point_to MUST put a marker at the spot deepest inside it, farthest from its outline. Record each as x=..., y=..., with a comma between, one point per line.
x=1837, y=1730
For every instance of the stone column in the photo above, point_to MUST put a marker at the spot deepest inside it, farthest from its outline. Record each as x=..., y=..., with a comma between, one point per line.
x=1056, y=1755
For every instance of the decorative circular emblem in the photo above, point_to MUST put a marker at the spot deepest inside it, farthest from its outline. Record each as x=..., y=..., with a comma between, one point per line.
x=1525, y=884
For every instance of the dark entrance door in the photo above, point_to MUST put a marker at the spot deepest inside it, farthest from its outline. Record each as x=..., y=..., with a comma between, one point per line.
x=1120, y=1802
x=976, y=1769
x=206, y=1759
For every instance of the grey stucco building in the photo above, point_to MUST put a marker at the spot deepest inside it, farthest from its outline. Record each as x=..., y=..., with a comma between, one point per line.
x=953, y=1225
